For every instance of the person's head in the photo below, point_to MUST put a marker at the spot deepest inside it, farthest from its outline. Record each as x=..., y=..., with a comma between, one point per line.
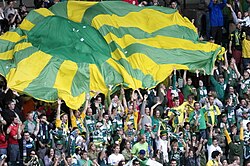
x=221, y=79
x=148, y=126
x=175, y=145
x=142, y=138
x=116, y=149
x=211, y=39
x=189, y=81
x=190, y=98
x=248, y=126
x=59, y=144
x=33, y=153
x=84, y=154
x=215, y=155
x=92, y=146
x=215, y=1
x=243, y=102
x=173, y=162
x=187, y=126
x=50, y=152
x=69, y=160
x=64, y=118
x=173, y=5
x=236, y=160
x=98, y=125
x=136, y=162
x=176, y=101
x=224, y=118
x=211, y=99
x=201, y=83
x=239, y=14
x=215, y=141
x=121, y=163
x=142, y=154
x=43, y=118
x=26, y=136
x=246, y=74
x=245, y=115
x=194, y=137
x=224, y=162
x=89, y=112
x=157, y=113
x=11, y=105
x=197, y=106
x=14, y=120
x=30, y=116
x=127, y=145
x=231, y=89
x=130, y=125
x=191, y=153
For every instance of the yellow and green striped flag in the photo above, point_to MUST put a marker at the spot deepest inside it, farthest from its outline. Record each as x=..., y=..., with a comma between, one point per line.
x=74, y=47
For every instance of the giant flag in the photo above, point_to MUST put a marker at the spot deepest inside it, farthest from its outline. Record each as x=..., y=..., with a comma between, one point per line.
x=74, y=47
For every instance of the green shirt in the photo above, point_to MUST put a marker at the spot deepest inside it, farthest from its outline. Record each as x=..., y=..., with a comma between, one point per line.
x=201, y=119
x=187, y=90
x=81, y=162
x=138, y=146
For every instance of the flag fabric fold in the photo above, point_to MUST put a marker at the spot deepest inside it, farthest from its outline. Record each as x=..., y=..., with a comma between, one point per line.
x=74, y=47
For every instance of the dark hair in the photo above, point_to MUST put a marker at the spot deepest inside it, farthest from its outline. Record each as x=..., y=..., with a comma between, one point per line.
x=173, y=160
x=196, y=103
x=215, y=154
x=135, y=160
x=48, y=152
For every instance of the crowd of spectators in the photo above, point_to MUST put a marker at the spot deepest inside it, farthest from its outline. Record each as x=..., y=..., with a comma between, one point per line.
x=190, y=119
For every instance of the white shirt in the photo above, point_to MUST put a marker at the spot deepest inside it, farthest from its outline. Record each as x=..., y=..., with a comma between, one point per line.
x=163, y=146
x=211, y=148
x=115, y=159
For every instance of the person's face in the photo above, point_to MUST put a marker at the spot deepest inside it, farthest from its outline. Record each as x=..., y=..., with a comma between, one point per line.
x=231, y=89
x=89, y=112
x=143, y=139
x=65, y=118
x=238, y=161
x=26, y=136
x=177, y=103
x=190, y=99
x=239, y=15
x=191, y=153
x=157, y=113
x=51, y=152
x=77, y=114
x=85, y=155
x=201, y=83
x=130, y=126
x=106, y=117
x=197, y=106
x=246, y=75
x=224, y=163
x=175, y=146
x=187, y=127
x=99, y=100
x=117, y=149
x=93, y=147
x=11, y=5
x=243, y=103
x=173, y=163
x=130, y=109
x=246, y=14
x=221, y=80
x=215, y=142
x=173, y=5
x=16, y=121
x=44, y=118
x=30, y=116
x=128, y=145
x=189, y=81
x=11, y=106
x=69, y=160
x=211, y=100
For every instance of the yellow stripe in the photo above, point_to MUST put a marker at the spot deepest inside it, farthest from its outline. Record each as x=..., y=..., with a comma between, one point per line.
x=162, y=42
x=12, y=37
x=148, y=67
x=19, y=78
x=44, y=12
x=9, y=54
x=132, y=82
x=63, y=84
x=96, y=80
x=26, y=25
x=148, y=20
x=76, y=10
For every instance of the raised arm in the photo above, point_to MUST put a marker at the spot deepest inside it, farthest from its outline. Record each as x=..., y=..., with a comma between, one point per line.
x=144, y=104
x=229, y=140
x=153, y=107
x=185, y=77
x=86, y=103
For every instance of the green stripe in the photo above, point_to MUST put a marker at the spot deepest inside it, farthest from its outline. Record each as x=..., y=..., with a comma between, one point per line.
x=116, y=8
x=34, y=17
x=60, y=9
x=6, y=45
x=175, y=31
x=111, y=76
x=5, y=66
x=81, y=80
x=147, y=80
x=193, y=59
x=25, y=53
x=42, y=86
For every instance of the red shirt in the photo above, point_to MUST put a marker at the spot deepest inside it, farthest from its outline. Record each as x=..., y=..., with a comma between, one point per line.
x=3, y=141
x=13, y=132
x=133, y=2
